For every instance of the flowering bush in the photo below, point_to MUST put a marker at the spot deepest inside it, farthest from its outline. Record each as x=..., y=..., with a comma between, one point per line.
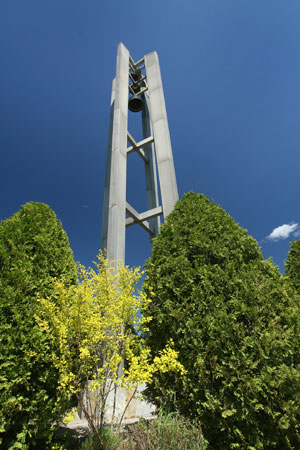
x=97, y=325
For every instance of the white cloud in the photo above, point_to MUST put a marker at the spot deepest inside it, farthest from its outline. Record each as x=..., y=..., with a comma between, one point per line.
x=283, y=231
x=297, y=233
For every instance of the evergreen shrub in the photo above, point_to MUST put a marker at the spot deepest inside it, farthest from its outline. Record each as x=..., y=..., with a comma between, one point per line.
x=33, y=249
x=292, y=265
x=236, y=325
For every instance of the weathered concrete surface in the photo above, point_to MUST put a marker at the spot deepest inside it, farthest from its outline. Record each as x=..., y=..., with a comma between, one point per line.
x=159, y=121
x=137, y=409
x=114, y=215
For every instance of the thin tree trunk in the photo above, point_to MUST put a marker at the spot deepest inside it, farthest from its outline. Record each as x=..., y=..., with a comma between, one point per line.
x=125, y=409
x=90, y=421
x=114, y=405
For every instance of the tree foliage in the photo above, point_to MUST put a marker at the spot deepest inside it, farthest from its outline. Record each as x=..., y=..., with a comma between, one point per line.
x=292, y=265
x=235, y=324
x=33, y=249
x=92, y=323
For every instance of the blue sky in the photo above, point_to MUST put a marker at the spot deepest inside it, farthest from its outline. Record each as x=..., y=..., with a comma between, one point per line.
x=230, y=70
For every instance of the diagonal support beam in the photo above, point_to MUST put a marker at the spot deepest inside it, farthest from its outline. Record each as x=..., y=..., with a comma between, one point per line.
x=135, y=65
x=137, y=146
x=147, y=215
x=142, y=218
x=151, y=213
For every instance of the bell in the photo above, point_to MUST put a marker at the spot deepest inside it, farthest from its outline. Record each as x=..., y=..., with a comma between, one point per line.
x=135, y=103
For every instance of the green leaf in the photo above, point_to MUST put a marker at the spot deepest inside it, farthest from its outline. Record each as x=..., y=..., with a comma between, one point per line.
x=228, y=413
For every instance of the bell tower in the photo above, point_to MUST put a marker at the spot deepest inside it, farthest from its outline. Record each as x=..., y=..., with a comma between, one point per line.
x=137, y=87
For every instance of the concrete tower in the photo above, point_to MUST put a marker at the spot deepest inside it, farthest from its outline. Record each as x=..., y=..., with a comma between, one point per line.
x=137, y=87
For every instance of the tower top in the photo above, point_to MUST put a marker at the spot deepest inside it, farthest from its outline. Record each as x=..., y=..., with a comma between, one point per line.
x=137, y=87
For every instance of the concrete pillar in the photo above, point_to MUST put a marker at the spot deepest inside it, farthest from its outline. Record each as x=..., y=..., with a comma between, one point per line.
x=150, y=167
x=166, y=170
x=114, y=215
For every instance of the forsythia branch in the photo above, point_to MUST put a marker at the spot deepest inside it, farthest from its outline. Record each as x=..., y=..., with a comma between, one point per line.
x=97, y=325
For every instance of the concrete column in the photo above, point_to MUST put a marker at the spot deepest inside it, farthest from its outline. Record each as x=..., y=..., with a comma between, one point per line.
x=150, y=168
x=166, y=170
x=113, y=230
x=107, y=172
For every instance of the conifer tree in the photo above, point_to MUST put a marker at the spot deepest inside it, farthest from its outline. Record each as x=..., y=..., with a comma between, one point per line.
x=292, y=265
x=33, y=249
x=235, y=324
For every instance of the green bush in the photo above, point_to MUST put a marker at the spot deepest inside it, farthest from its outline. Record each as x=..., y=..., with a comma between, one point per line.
x=292, y=265
x=110, y=438
x=235, y=323
x=33, y=249
x=168, y=432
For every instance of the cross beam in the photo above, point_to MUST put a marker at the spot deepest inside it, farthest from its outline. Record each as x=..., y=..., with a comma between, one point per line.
x=142, y=218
